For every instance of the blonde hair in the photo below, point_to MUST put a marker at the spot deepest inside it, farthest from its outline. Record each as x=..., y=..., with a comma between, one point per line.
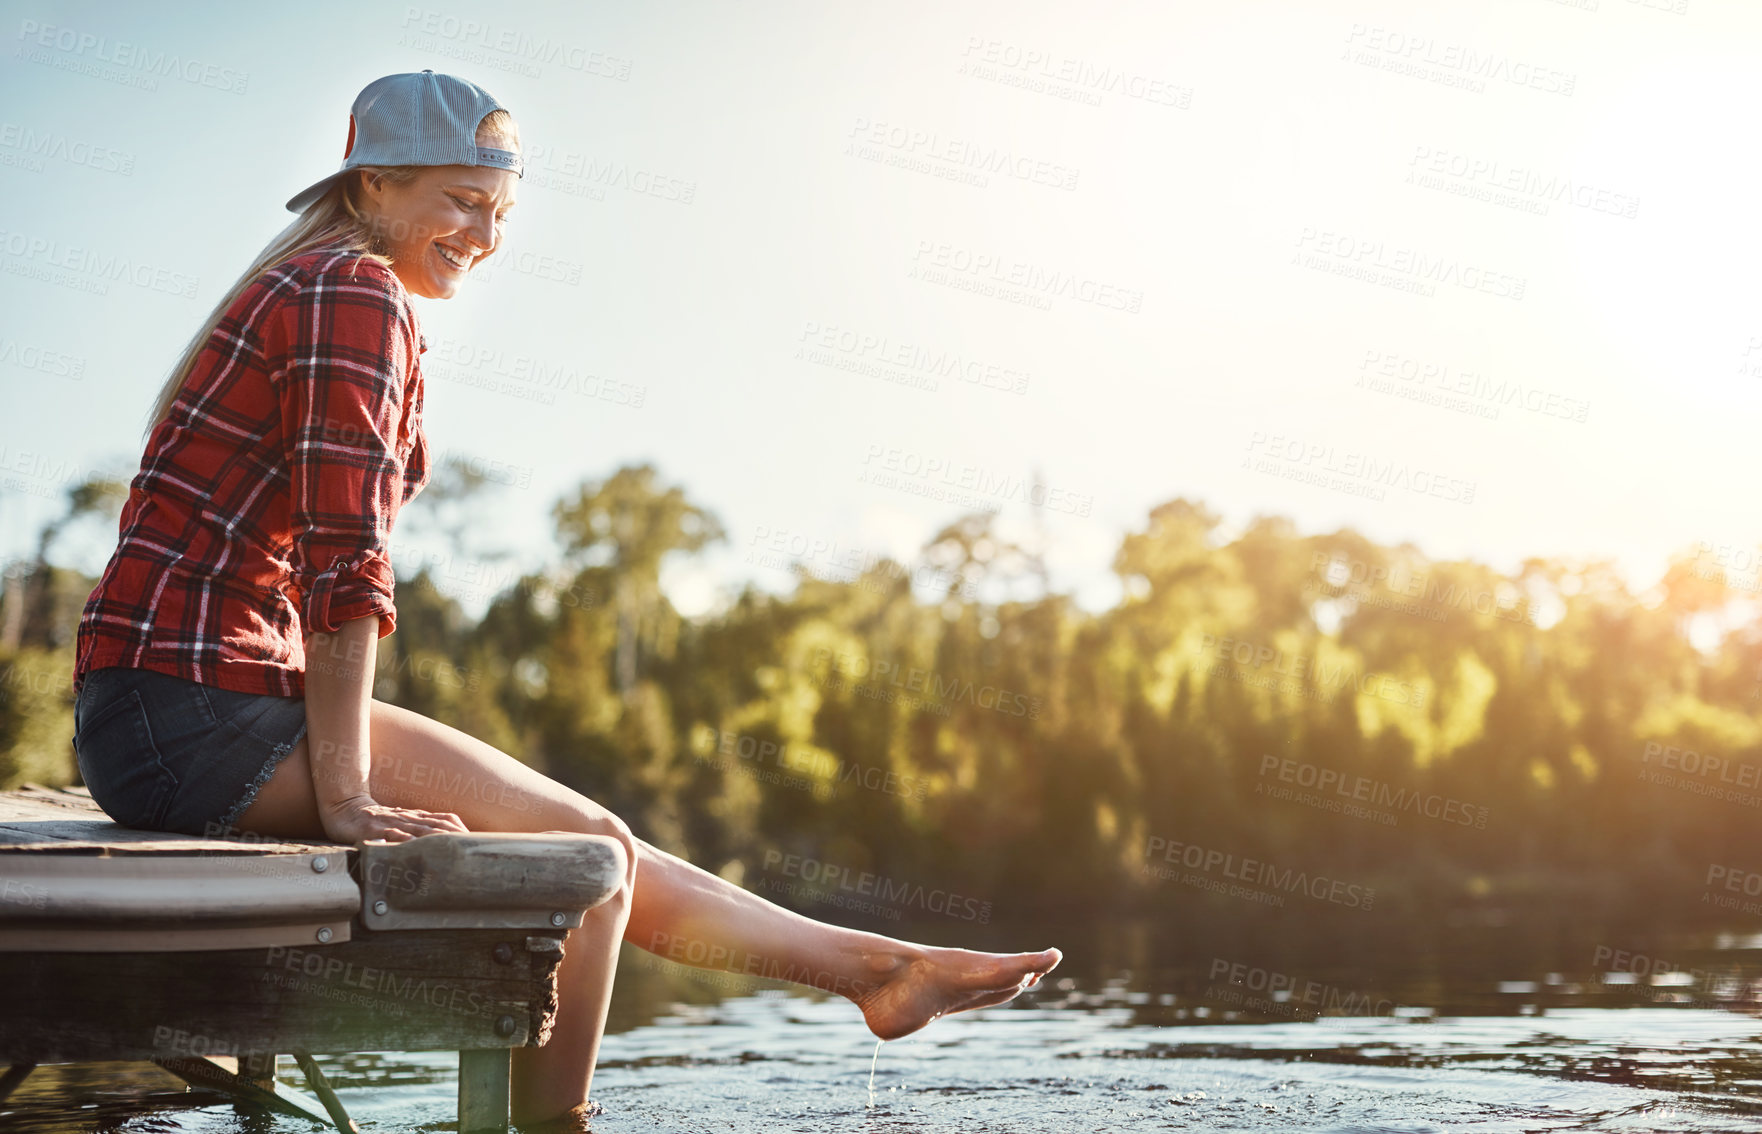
x=338, y=220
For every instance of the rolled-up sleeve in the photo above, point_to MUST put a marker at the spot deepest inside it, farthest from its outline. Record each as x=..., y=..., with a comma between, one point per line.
x=348, y=343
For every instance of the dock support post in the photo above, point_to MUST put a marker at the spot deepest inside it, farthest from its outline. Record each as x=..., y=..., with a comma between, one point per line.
x=14, y=1076
x=206, y=1072
x=483, y=1090
x=258, y=1070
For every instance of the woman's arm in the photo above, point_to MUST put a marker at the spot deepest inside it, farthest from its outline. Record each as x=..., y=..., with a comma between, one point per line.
x=341, y=351
x=339, y=696
x=339, y=687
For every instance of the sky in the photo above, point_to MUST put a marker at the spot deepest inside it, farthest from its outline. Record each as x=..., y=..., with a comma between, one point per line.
x=1474, y=274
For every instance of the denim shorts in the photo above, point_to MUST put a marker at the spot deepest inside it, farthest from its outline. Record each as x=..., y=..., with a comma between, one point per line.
x=162, y=753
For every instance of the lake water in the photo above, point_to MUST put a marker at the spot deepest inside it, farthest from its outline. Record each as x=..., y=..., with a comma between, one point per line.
x=1208, y=1026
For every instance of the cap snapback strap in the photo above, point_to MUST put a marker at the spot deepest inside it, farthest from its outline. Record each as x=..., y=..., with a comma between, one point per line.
x=503, y=159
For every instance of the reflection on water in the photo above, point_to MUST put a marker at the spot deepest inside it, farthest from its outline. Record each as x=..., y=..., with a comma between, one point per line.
x=1211, y=1025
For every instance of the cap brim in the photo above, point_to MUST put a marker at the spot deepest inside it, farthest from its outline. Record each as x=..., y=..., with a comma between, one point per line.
x=302, y=200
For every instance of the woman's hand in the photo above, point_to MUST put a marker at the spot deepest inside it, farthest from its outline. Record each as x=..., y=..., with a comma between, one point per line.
x=359, y=817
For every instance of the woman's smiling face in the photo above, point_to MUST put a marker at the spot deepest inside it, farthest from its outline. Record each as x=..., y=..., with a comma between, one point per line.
x=442, y=224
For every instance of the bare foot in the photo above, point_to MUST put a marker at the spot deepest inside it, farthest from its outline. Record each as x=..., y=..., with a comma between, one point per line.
x=578, y=1119
x=917, y=988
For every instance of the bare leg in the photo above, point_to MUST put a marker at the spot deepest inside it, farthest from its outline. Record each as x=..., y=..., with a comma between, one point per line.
x=547, y=1080
x=687, y=914
x=667, y=906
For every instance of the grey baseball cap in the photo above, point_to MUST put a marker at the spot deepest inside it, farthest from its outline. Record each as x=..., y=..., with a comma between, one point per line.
x=416, y=118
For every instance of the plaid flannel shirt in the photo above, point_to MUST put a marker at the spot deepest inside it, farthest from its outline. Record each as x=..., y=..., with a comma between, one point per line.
x=265, y=500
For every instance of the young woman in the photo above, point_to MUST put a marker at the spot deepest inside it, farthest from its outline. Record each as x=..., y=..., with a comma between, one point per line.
x=225, y=658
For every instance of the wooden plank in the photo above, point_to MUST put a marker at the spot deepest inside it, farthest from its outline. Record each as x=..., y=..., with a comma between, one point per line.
x=30, y=786
x=431, y=990
x=15, y=841
x=483, y=1090
x=66, y=797
x=487, y=880
x=64, y=837
x=185, y=890
x=212, y=1075
x=34, y=824
x=153, y=903
x=192, y=943
x=41, y=805
x=66, y=822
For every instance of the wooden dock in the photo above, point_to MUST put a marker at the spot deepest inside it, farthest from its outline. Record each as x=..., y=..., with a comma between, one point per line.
x=211, y=957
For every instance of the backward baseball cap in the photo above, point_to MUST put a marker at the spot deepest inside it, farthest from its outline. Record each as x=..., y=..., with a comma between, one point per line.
x=415, y=118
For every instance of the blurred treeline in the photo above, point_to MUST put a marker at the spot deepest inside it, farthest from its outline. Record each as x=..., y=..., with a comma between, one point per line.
x=1028, y=753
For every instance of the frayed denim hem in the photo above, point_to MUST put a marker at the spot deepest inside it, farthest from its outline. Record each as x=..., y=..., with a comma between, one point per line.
x=273, y=761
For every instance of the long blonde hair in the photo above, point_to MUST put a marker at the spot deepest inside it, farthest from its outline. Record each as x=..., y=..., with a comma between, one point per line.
x=337, y=219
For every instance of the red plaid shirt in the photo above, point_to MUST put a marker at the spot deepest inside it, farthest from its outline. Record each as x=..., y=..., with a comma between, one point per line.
x=265, y=500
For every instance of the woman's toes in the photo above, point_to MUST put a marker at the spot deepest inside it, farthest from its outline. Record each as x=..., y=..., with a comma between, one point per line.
x=577, y=1119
